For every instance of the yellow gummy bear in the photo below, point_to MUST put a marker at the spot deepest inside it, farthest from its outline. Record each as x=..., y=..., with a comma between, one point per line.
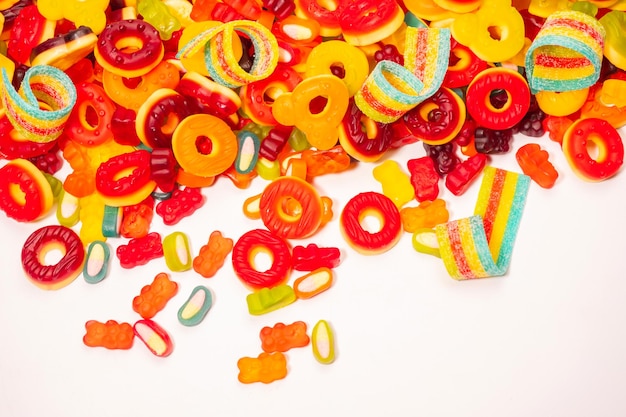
x=90, y=13
x=396, y=184
x=495, y=32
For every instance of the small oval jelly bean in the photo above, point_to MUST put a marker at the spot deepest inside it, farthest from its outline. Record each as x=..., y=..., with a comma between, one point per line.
x=323, y=342
x=313, y=283
x=176, y=252
x=154, y=337
x=96, y=264
x=193, y=311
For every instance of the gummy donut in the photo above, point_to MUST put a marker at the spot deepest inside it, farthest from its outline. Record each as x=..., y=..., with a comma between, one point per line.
x=57, y=275
x=261, y=241
x=132, y=93
x=481, y=109
x=125, y=179
x=90, y=121
x=438, y=119
x=291, y=208
x=64, y=51
x=159, y=116
x=586, y=134
x=25, y=194
x=369, y=21
x=371, y=204
x=363, y=138
x=129, y=48
x=204, y=145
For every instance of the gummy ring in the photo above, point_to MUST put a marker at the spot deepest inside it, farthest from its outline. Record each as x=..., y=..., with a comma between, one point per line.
x=438, y=119
x=209, y=96
x=362, y=138
x=371, y=204
x=257, y=97
x=586, y=134
x=564, y=103
x=295, y=109
x=39, y=244
x=132, y=93
x=258, y=241
x=125, y=179
x=316, y=10
x=479, y=106
x=369, y=21
x=129, y=48
x=463, y=67
x=291, y=208
x=595, y=108
x=25, y=194
x=335, y=52
x=90, y=121
x=204, y=145
x=159, y=116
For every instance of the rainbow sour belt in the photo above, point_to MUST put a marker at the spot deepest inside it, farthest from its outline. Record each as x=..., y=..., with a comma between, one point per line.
x=42, y=84
x=220, y=59
x=566, y=54
x=480, y=246
x=392, y=89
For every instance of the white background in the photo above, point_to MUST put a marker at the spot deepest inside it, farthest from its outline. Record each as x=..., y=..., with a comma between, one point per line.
x=547, y=339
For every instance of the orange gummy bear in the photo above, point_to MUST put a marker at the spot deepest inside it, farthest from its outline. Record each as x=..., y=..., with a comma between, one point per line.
x=427, y=215
x=266, y=368
x=212, y=255
x=111, y=335
x=281, y=337
x=153, y=297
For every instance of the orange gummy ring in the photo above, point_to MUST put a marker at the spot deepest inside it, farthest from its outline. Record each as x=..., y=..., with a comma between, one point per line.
x=204, y=145
x=132, y=93
x=371, y=204
x=291, y=208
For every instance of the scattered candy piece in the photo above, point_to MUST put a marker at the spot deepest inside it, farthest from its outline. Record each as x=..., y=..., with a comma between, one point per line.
x=154, y=297
x=267, y=300
x=212, y=255
x=193, y=311
x=176, y=252
x=281, y=337
x=156, y=339
x=96, y=264
x=111, y=335
x=266, y=368
x=323, y=342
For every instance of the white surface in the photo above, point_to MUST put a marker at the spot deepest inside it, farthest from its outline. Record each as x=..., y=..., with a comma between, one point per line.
x=547, y=339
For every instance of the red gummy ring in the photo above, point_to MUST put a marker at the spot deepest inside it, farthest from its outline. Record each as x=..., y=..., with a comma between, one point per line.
x=61, y=273
x=366, y=22
x=363, y=138
x=248, y=246
x=159, y=116
x=25, y=193
x=438, y=119
x=379, y=206
x=89, y=122
x=585, y=134
x=129, y=48
x=477, y=98
x=291, y=208
x=125, y=179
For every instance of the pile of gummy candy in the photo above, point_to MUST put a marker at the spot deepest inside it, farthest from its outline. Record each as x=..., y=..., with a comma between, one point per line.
x=148, y=102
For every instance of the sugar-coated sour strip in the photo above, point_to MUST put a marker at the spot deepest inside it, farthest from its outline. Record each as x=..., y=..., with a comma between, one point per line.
x=42, y=83
x=481, y=245
x=567, y=52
